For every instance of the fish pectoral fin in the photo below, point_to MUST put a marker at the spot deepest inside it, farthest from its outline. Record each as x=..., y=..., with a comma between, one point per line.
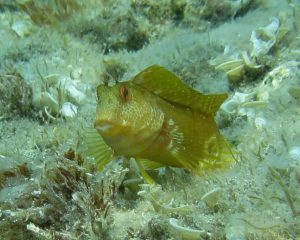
x=97, y=148
x=171, y=88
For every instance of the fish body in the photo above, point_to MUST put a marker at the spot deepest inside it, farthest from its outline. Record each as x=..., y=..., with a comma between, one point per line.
x=160, y=121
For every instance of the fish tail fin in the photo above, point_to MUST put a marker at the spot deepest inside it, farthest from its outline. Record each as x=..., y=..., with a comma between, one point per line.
x=97, y=148
x=216, y=154
x=219, y=155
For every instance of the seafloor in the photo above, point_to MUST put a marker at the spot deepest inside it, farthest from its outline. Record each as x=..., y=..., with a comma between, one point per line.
x=54, y=53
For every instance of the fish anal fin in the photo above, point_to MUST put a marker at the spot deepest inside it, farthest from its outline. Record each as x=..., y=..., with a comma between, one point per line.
x=171, y=88
x=97, y=148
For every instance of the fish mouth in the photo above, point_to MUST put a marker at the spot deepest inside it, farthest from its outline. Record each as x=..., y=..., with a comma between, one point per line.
x=103, y=126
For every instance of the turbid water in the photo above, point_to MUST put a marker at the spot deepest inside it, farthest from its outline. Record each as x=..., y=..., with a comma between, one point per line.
x=53, y=55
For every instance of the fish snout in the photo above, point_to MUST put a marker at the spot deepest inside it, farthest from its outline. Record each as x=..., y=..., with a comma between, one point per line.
x=103, y=125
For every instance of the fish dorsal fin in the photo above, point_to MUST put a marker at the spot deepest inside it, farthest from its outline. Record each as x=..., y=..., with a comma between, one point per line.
x=171, y=88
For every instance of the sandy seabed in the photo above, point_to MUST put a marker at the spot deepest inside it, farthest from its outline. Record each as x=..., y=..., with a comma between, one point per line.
x=54, y=54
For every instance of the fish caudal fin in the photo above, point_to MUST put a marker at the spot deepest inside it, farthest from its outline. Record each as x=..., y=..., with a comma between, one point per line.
x=218, y=155
x=97, y=148
x=215, y=153
x=168, y=86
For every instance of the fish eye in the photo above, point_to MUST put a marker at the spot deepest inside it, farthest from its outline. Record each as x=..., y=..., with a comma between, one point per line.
x=124, y=93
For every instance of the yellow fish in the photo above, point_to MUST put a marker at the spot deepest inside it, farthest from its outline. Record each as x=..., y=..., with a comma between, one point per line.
x=160, y=121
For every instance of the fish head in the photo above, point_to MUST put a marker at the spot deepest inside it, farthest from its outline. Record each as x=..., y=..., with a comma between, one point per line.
x=107, y=114
x=126, y=114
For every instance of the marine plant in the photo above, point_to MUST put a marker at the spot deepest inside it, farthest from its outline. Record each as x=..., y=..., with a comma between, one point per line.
x=289, y=198
x=215, y=11
x=66, y=202
x=49, y=11
x=15, y=94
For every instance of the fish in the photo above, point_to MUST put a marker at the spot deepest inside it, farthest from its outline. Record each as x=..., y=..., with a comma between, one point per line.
x=159, y=120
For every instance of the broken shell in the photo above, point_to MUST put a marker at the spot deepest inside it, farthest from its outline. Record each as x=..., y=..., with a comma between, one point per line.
x=236, y=74
x=165, y=209
x=232, y=105
x=262, y=95
x=211, y=198
x=169, y=210
x=22, y=28
x=76, y=73
x=68, y=110
x=74, y=94
x=295, y=153
x=254, y=104
x=260, y=123
x=248, y=62
x=229, y=65
x=234, y=69
x=264, y=38
x=185, y=232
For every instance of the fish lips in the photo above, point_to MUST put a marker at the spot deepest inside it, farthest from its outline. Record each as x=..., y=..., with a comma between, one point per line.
x=103, y=126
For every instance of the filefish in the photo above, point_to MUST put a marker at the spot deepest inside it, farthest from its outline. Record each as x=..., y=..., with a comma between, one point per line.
x=159, y=120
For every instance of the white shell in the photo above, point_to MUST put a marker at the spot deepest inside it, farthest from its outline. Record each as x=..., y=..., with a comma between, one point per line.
x=72, y=93
x=60, y=97
x=76, y=74
x=22, y=28
x=260, y=123
x=68, y=110
x=294, y=153
x=264, y=38
x=235, y=69
x=211, y=198
x=184, y=232
x=233, y=105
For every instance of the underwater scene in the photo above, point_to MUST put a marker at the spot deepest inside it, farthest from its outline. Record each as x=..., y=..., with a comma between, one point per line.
x=159, y=120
